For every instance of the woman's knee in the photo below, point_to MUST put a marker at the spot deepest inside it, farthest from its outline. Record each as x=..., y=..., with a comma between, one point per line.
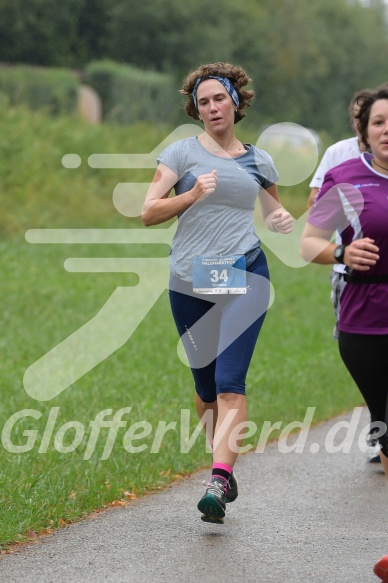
x=230, y=399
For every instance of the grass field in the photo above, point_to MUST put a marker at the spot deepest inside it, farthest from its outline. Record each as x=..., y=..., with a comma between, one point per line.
x=295, y=366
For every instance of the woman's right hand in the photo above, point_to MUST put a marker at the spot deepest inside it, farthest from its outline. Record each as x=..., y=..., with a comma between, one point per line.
x=361, y=254
x=159, y=208
x=205, y=185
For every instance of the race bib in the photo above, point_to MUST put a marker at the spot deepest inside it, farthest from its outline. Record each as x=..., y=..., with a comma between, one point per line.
x=219, y=275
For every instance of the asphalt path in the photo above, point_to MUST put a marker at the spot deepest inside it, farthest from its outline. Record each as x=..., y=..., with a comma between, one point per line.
x=315, y=516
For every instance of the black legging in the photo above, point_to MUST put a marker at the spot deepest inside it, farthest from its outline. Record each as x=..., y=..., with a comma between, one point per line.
x=365, y=357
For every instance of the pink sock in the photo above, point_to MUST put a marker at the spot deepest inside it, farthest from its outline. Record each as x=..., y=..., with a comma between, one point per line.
x=225, y=467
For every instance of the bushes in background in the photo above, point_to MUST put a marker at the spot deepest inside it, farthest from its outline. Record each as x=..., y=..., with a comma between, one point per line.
x=130, y=95
x=55, y=90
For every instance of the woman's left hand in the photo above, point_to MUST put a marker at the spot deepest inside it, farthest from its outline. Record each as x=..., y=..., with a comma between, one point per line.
x=280, y=221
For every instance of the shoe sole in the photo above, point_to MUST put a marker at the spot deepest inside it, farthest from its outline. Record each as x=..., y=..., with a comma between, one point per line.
x=212, y=520
x=211, y=509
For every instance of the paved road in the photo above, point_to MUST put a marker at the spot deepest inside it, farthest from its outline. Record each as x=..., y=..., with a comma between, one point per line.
x=300, y=518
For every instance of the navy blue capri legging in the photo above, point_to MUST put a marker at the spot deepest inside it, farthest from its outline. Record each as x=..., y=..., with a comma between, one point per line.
x=219, y=334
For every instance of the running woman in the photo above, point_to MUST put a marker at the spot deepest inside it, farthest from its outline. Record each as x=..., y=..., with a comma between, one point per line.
x=219, y=285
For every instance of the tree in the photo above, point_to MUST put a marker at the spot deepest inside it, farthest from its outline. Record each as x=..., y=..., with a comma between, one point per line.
x=51, y=33
x=306, y=57
x=173, y=35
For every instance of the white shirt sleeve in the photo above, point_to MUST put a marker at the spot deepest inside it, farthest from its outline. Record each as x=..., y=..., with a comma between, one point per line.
x=335, y=155
x=325, y=164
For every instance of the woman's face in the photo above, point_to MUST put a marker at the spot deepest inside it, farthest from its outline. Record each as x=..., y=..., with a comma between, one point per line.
x=215, y=106
x=378, y=130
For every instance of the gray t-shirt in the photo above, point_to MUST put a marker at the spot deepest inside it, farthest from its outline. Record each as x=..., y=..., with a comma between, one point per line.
x=222, y=223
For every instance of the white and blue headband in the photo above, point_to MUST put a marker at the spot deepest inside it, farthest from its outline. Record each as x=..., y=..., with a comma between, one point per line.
x=224, y=81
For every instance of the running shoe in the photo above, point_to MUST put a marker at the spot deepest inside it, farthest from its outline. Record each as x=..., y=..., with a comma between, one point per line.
x=212, y=503
x=376, y=459
x=232, y=489
x=381, y=569
x=373, y=446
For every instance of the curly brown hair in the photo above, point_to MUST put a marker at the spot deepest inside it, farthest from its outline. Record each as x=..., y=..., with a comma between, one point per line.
x=358, y=98
x=236, y=75
x=365, y=109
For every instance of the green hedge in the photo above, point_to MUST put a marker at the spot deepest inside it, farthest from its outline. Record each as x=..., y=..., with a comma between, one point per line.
x=55, y=90
x=130, y=95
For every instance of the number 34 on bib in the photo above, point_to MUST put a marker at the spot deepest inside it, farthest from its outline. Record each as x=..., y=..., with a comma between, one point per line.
x=219, y=275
